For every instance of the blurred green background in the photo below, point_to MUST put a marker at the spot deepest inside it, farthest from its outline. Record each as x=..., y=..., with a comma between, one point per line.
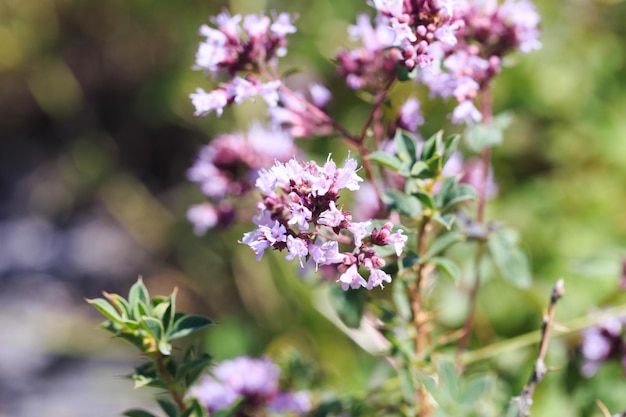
x=97, y=131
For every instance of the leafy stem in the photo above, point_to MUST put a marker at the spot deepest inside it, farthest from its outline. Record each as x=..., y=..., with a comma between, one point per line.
x=168, y=380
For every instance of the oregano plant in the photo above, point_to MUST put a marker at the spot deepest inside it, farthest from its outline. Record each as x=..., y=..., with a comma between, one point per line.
x=382, y=227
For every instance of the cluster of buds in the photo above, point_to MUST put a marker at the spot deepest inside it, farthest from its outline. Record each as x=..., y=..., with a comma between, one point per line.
x=418, y=24
x=372, y=64
x=489, y=31
x=240, y=45
x=228, y=167
x=299, y=214
x=253, y=382
x=403, y=34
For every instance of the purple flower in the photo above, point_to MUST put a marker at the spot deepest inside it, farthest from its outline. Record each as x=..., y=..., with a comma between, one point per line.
x=466, y=112
x=352, y=279
x=359, y=231
x=205, y=102
x=249, y=376
x=203, y=217
x=331, y=217
x=603, y=342
x=287, y=402
x=297, y=249
x=410, y=115
x=377, y=277
x=212, y=394
x=320, y=95
x=282, y=25
x=326, y=254
x=398, y=240
x=254, y=382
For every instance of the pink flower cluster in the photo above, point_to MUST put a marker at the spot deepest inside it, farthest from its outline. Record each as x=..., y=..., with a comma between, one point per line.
x=369, y=66
x=228, y=167
x=490, y=31
x=254, y=381
x=240, y=45
x=299, y=214
x=417, y=24
x=403, y=33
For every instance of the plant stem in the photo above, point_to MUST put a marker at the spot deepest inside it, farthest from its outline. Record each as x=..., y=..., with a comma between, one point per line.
x=487, y=113
x=379, y=101
x=473, y=296
x=167, y=378
x=348, y=137
x=525, y=399
x=419, y=316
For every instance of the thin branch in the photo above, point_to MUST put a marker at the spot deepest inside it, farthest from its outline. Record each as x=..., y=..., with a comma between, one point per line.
x=525, y=399
x=527, y=339
x=379, y=101
x=473, y=297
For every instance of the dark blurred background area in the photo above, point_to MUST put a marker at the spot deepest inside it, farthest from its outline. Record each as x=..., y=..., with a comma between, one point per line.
x=97, y=132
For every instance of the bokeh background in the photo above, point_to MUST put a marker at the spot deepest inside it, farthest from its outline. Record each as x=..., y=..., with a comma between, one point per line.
x=97, y=131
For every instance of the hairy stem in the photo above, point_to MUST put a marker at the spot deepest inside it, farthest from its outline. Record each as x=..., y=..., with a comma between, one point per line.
x=167, y=378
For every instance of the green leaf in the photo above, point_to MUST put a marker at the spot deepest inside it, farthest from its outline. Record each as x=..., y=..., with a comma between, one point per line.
x=432, y=146
x=426, y=199
x=446, y=220
x=459, y=194
x=138, y=292
x=230, y=411
x=403, y=204
x=448, y=266
x=349, y=305
x=510, y=260
x=164, y=347
x=421, y=169
x=409, y=260
x=106, y=309
x=158, y=310
x=400, y=299
x=120, y=304
x=187, y=325
x=168, y=407
x=190, y=370
x=385, y=159
x=140, y=310
x=406, y=147
x=293, y=70
x=403, y=73
x=451, y=193
x=134, y=339
x=153, y=326
x=450, y=145
x=138, y=413
x=449, y=377
x=168, y=316
x=481, y=136
x=443, y=242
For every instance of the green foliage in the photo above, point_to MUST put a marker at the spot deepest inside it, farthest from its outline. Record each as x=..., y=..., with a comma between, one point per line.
x=151, y=324
x=508, y=257
x=481, y=135
x=350, y=305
